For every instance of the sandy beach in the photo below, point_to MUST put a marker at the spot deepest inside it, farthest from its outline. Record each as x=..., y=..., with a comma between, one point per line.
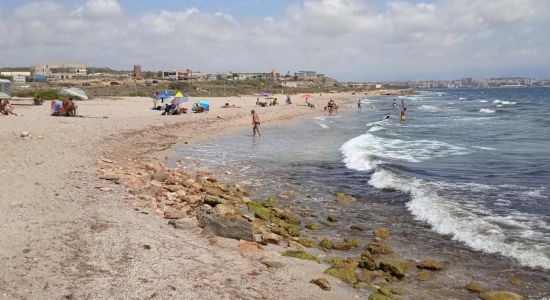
x=67, y=234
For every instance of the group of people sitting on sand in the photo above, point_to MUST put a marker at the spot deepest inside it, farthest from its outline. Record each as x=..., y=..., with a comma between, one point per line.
x=332, y=107
x=272, y=102
x=172, y=110
x=6, y=108
x=65, y=108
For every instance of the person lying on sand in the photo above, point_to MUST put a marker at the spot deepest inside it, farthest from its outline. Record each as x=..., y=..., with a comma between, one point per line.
x=198, y=109
x=6, y=108
x=230, y=106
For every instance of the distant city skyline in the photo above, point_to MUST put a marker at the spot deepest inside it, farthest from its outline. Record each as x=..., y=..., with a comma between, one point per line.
x=350, y=40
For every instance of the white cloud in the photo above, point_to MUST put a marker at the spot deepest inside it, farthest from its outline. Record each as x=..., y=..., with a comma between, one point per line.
x=349, y=39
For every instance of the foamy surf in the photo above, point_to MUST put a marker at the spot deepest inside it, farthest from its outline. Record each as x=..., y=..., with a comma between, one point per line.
x=486, y=111
x=472, y=224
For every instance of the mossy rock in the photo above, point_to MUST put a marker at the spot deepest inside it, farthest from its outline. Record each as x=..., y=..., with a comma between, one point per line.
x=269, y=202
x=300, y=255
x=477, y=287
x=516, y=281
x=287, y=217
x=323, y=283
x=326, y=244
x=259, y=211
x=346, y=244
x=345, y=273
x=424, y=276
x=379, y=248
x=331, y=219
x=394, y=267
x=279, y=230
x=213, y=200
x=368, y=263
x=307, y=243
x=386, y=291
x=293, y=230
x=377, y=296
x=382, y=233
x=501, y=295
x=347, y=262
x=313, y=226
x=430, y=264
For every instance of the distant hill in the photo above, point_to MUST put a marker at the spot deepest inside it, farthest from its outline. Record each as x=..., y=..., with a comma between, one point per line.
x=92, y=70
x=16, y=69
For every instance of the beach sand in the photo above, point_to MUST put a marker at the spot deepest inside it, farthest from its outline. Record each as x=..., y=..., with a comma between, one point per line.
x=65, y=233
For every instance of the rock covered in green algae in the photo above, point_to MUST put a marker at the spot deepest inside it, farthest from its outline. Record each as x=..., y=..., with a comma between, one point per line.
x=501, y=295
x=300, y=254
x=323, y=283
x=338, y=262
x=259, y=210
x=367, y=262
x=293, y=230
x=394, y=267
x=307, y=243
x=379, y=248
x=386, y=291
x=345, y=273
x=382, y=233
x=377, y=296
x=346, y=244
x=356, y=227
x=424, y=276
x=326, y=244
x=477, y=287
x=430, y=264
x=313, y=226
x=213, y=200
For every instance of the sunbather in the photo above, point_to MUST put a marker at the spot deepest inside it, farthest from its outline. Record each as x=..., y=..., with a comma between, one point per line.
x=6, y=108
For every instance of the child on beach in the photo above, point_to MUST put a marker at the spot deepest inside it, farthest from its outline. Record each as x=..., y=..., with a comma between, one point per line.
x=6, y=108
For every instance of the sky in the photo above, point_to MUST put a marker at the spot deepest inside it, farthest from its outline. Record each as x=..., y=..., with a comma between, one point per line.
x=351, y=40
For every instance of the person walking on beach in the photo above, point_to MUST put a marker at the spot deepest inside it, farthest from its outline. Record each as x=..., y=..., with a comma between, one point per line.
x=255, y=123
x=394, y=105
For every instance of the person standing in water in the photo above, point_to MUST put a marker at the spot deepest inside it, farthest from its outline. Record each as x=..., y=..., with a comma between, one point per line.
x=394, y=105
x=359, y=104
x=255, y=123
x=403, y=117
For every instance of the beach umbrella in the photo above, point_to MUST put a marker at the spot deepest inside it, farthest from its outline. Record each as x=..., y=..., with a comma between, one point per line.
x=77, y=93
x=180, y=98
x=266, y=94
x=307, y=96
x=163, y=95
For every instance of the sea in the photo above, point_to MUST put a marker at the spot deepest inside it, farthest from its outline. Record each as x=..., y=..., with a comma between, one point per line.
x=466, y=179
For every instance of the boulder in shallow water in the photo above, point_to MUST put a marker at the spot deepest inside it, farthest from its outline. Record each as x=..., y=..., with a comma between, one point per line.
x=326, y=244
x=345, y=245
x=307, y=243
x=501, y=295
x=430, y=264
x=382, y=233
x=379, y=248
x=357, y=227
x=477, y=287
x=394, y=267
x=323, y=283
x=378, y=296
x=343, y=198
x=424, y=276
x=345, y=273
x=313, y=226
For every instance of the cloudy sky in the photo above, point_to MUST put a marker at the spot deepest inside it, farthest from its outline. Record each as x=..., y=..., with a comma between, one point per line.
x=346, y=39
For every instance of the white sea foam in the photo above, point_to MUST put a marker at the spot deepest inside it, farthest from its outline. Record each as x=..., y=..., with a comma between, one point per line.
x=483, y=101
x=461, y=98
x=484, y=148
x=504, y=102
x=365, y=152
x=429, y=108
x=376, y=128
x=472, y=224
x=486, y=111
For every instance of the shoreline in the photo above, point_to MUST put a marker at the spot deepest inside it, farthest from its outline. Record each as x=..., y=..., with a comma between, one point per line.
x=83, y=240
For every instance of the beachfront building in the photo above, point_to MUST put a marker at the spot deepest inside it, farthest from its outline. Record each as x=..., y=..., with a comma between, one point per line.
x=306, y=75
x=16, y=76
x=57, y=71
x=175, y=74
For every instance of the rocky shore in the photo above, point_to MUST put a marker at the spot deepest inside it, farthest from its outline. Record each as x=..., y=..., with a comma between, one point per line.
x=194, y=199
